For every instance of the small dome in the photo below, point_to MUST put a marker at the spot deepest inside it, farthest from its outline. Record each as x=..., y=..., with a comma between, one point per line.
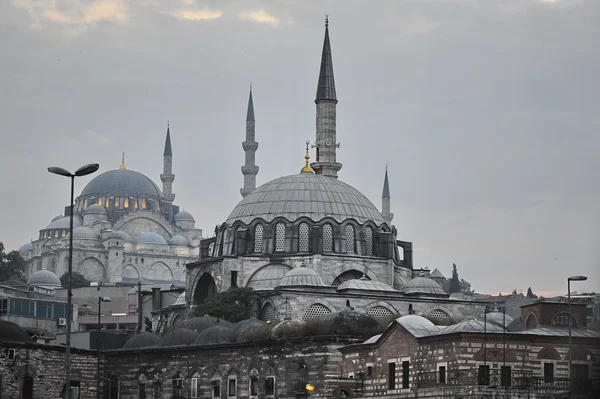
x=243, y=330
x=84, y=233
x=24, y=250
x=179, y=336
x=218, y=334
x=151, y=238
x=418, y=326
x=268, y=277
x=364, y=284
x=287, y=329
x=120, y=235
x=201, y=323
x=348, y=322
x=10, y=332
x=57, y=217
x=64, y=223
x=44, y=278
x=180, y=299
x=471, y=326
x=178, y=241
x=142, y=340
x=400, y=281
x=184, y=216
x=423, y=286
x=302, y=276
x=94, y=209
x=498, y=318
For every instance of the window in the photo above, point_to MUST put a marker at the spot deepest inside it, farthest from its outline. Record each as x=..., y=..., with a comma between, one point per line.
x=258, y=238
x=349, y=238
x=303, y=237
x=442, y=374
x=28, y=387
x=483, y=375
x=231, y=386
x=505, y=376
x=279, y=237
x=531, y=322
x=253, y=386
x=315, y=311
x=270, y=386
x=391, y=375
x=327, y=238
x=224, y=242
x=195, y=383
x=369, y=241
x=234, y=275
x=177, y=383
x=379, y=312
x=211, y=249
x=113, y=387
x=142, y=387
x=405, y=374
x=438, y=315
x=369, y=371
x=562, y=320
x=548, y=373
x=216, y=388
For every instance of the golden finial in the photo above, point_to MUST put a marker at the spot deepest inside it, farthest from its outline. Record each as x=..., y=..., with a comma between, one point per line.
x=307, y=168
x=123, y=167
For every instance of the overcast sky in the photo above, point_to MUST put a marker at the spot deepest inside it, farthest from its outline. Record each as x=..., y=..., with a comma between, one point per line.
x=487, y=113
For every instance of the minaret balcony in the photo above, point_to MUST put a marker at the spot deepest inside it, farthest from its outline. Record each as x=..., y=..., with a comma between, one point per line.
x=167, y=177
x=250, y=145
x=249, y=169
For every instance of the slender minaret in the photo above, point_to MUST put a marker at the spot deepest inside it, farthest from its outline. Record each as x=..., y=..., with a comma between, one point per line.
x=249, y=170
x=167, y=177
x=385, y=200
x=326, y=101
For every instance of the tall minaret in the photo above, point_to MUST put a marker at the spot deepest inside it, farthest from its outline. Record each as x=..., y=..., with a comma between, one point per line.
x=385, y=200
x=326, y=101
x=249, y=170
x=167, y=176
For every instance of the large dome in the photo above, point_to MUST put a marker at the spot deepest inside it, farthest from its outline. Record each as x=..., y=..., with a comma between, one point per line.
x=122, y=183
x=305, y=194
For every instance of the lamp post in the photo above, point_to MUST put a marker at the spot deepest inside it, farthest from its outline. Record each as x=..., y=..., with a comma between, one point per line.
x=572, y=278
x=83, y=171
x=100, y=300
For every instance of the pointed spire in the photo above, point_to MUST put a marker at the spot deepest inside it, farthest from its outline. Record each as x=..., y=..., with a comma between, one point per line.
x=326, y=85
x=386, y=186
x=168, y=149
x=250, y=114
x=123, y=167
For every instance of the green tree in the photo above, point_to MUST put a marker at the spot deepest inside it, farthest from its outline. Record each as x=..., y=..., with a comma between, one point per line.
x=12, y=265
x=465, y=285
x=78, y=280
x=454, y=281
x=233, y=305
x=530, y=293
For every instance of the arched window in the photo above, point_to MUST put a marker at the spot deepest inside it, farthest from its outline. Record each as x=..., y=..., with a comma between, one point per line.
x=562, y=320
x=349, y=238
x=224, y=242
x=279, y=237
x=327, y=238
x=232, y=384
x=379, y=312
x=177, y=383
x=531, y=321
x=369, y=241
x=253, y=383
x=211, y=249
x=195, y=385
x=270, y=383
x=268, y=312
x=215, y=385
x=113, y=387
x=348, y=275
x=303, y=237
x=142, y=387
x=258, y=238
x=315, y=311
x=438, y=315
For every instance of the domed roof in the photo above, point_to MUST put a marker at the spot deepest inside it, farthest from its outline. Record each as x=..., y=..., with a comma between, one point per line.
x=364, y=284
x=201, y=323
x=94, y=209
x=498, y=318
x=287, y=329
x=84, y=233
x=120, y=235
x=306, y=194
x=55, y=218
x=184, y=216
x=122, y=182
x=218, y=334
x=423, y=286
x=24, y=250
x=471, y=326
x=10, y=332
x=64, y=223
x=44, y=278
x=243, y=330
x=302, y=276
x=348, y=322
x=142, y=340
x=400, y=281
x=178, y=241
x=268, y=277
x=151, y=237
x=418, y=326
x=179, y=336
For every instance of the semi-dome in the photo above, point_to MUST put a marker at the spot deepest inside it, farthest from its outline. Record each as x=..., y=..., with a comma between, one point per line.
x=201, y=323
x=218, y=334
x=179, y=336
x=423, y=286
x=94, y=209
x=364, y=284
x=121, y=182
x=10, y=332
x=120, y=235
x=302, y=276
x=64, y=223
x=143, y=340
x=268, y=277
x=184, y=216
x=498, y=318
x=84, y=233
x=24, y=250
x=151, y=237
x=44, y=278
x=400, y=281
x=305, y=195
x=178, y=241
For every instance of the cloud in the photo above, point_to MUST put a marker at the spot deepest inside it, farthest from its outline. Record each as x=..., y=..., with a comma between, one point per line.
x=561, y=3
x=197, y=15
x=420, y=26
x=260, y=16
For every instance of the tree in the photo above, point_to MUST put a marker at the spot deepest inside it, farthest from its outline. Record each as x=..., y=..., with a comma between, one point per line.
x=12, y=265
x=465, y=285
x=454, y=281
x=530, y=293
x=78, y=280
x=233, y=305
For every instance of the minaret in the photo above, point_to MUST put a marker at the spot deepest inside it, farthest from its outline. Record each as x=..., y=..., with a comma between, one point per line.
x=167, y=176
x=249, y=170
x=326, y=101
x=385, y=200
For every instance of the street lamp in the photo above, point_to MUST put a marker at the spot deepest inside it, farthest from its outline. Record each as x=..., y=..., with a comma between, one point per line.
x=100, y=300
x=572, y=278
x=83, y=171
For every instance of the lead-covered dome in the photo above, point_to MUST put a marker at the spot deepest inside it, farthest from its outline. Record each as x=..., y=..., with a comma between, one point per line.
x=423, y=286
x=10, y=332
x=64, y=223
x=95, y=209
x=302, y=276
x=44, y=278
x=268, y=277
x=152, y=238
x=84, y=233
x=306, y=194
x=142, y=340
x=184, y=216
x=121, y=182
